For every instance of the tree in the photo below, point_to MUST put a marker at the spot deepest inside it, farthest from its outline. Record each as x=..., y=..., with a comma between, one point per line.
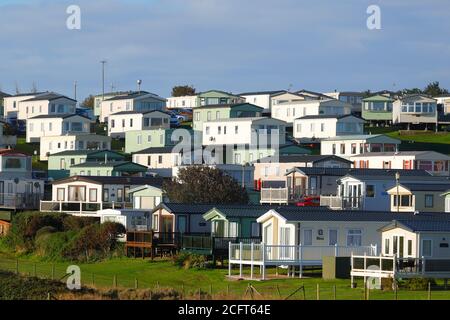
x=410, y=91
x=88, y=102
x=179, y=91
x=203, y=184
x=433, y=89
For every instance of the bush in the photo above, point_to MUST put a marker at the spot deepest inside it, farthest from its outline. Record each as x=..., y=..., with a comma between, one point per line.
x=53, y=245
x=418, y=284
x=45, y=230
x=190, y=260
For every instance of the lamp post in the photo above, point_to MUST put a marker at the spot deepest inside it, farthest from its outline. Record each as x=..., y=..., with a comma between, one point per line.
x=103, y=79
x=397, y=180
x=244, y=165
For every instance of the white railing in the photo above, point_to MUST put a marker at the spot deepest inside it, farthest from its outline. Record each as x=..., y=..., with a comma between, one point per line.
x=338, y=202
x=274, y=195
x=292, y=253
x=81, y=207
x=391, y=266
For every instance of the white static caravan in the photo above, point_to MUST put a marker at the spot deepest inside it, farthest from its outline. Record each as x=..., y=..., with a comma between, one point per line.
x=297, y=237
x=412, y=248
x=131, y=219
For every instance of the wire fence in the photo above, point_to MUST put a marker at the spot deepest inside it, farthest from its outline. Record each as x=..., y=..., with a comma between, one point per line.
x=292, y=289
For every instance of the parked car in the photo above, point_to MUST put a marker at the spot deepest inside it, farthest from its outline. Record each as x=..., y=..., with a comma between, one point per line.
x=174, y=121
x=313, y=201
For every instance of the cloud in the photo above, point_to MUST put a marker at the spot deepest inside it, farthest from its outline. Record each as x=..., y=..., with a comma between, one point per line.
x=231, y=45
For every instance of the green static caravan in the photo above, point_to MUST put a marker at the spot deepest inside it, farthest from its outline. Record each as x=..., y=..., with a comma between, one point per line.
x=217, y=97
x=110, y=168
x=59, y=163
x=231, y=223
x=144, y=139
x=207, y=113
x=147, y=197
x=377, y=108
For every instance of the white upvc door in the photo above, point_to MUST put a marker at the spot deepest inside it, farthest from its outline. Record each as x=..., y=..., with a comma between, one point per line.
x=268, y=239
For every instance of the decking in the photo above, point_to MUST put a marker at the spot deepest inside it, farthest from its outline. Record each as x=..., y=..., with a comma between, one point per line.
x=293, y=256
x=379, y=267
x=148, y=243
x=215, y=247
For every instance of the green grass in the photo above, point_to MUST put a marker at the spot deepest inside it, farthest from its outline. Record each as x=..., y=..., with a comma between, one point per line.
x=439, y=142
x=151, y=274
x=417, y=141
x=30, y=148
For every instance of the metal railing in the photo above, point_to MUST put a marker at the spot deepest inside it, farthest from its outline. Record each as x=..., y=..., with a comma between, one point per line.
x=338, y=202
x=20, y=200
x=81, y=207
x=213, y=244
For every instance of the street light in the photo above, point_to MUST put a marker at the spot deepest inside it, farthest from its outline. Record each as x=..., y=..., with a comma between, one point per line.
x=397, y=180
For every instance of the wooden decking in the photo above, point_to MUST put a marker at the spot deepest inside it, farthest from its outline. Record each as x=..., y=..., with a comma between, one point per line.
x=149, y=244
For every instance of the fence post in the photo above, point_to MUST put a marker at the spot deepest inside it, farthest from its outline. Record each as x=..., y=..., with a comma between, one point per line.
x=93, y=280
x=429, y=290
x=300, y=257
x=229, y=258
x=318, y=292
x=423, y=265
x=241, y=246
x=365, y=287
x=263, y=247
x=334, y=292
x=115, y=281
x=251, y=260
x=53, y=271
x=136, y=284
x=17, y=266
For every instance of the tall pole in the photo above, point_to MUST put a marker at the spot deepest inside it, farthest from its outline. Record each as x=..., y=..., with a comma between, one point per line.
x=103, y=79
x=397, y=178
x=75, y=89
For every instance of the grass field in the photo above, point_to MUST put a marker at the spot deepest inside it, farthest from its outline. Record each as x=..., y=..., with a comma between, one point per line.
x=425, y=140
x=162, y=273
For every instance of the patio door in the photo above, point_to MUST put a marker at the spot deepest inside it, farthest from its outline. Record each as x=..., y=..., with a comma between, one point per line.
x=398, y=243
x=268, y=239
x=284, y=242
x=354, y=194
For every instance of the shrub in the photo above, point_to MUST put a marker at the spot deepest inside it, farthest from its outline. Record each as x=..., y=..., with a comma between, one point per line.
x=45, y=230
x=418, y=284
x=52, y=245
x=190, y=260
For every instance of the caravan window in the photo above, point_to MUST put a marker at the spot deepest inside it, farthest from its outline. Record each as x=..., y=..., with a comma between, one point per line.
x=307, y=237
x=354, y=237
x=233, y=229
x=332, y=239
x=255, y=229
x=426, y=247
